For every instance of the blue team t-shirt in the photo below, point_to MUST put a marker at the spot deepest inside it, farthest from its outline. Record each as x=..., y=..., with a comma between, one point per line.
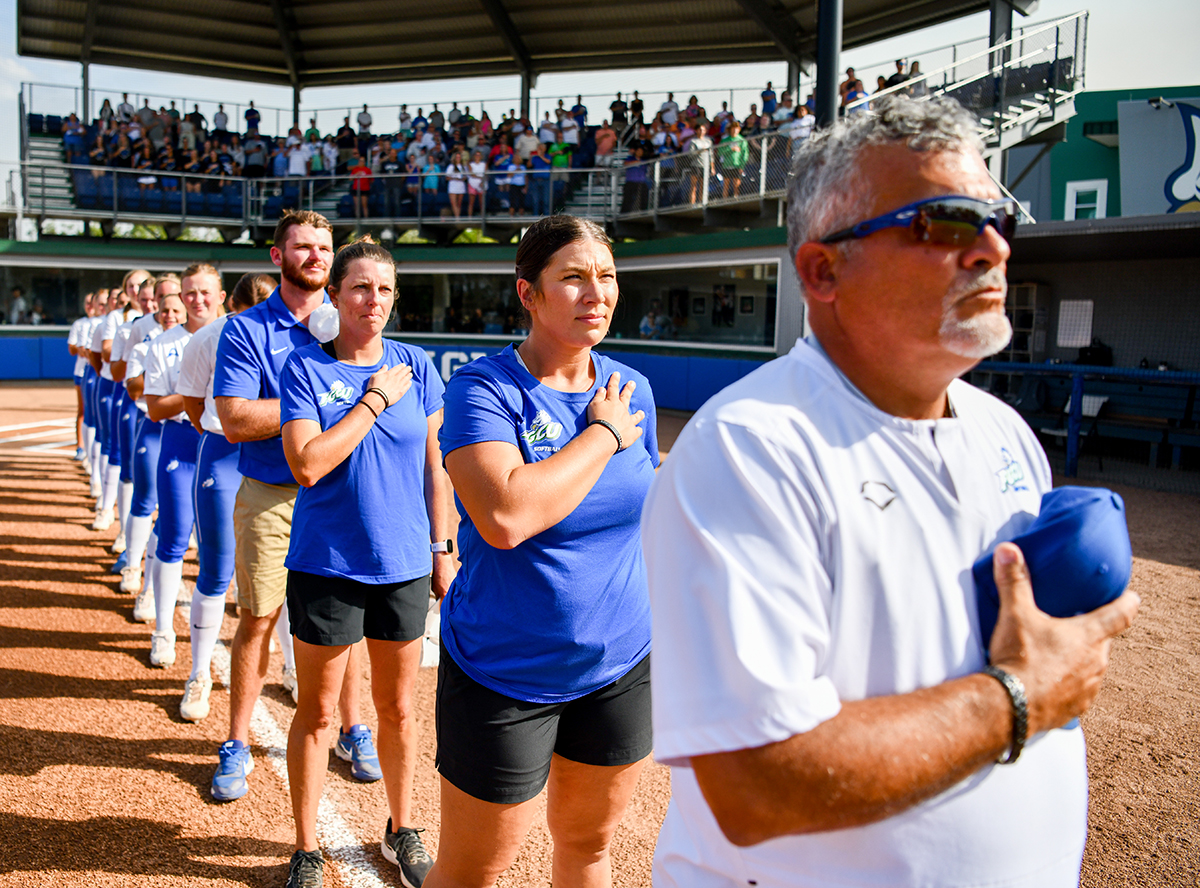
x=366, y=520
x=254, y=346
x=567, y=611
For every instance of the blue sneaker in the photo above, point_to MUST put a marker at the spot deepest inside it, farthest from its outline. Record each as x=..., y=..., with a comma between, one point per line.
x=120, y=564
x=235, y=765
x=355, y=746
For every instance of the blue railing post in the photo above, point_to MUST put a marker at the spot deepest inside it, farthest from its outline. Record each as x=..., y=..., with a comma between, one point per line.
x=1074, y=422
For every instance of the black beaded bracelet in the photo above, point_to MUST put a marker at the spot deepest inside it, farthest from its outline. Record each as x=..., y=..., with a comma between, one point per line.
x=368, y=406
x=1020, y=711
x=387, y=402
x=612, y=428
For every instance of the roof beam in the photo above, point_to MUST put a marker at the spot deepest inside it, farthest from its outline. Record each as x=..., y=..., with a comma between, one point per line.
x=508, y=33
x=283, y=21
x=89, y=30
x=780, y=26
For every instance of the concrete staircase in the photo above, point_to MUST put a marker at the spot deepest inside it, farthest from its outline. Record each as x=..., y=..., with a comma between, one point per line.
x=48, y=185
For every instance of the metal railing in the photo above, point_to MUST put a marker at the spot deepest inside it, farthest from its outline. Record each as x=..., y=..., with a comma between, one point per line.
x=1011, y=82
x=713, y=177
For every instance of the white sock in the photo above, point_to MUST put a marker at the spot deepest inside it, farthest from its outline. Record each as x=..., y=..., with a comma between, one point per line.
x=97, y=468
x=283, y=628
x=89, y=437
x=112, y=483
x=207, y=613
x=151, y=559
x=137, y=535
x=124, y=502
x=168, y=577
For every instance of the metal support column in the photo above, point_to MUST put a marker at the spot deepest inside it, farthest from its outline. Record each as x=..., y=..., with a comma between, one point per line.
x=829, y=51
x=295, y=106
x=528, y=82
x=85, y=117
x=793, y=84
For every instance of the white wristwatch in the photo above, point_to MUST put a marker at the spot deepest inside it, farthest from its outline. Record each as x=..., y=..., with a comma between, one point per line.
x=445, y=546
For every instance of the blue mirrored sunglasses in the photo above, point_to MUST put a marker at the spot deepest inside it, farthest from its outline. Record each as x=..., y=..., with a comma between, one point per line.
x=953, y=220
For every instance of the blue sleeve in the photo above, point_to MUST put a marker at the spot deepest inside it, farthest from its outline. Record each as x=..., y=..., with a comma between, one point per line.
x=433, y=390
x=475, y=412
x=650, y=423
x=296, y=399
x=238, y=373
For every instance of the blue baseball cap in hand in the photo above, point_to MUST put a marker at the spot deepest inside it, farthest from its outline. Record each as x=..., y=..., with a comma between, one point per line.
x=1078, y=554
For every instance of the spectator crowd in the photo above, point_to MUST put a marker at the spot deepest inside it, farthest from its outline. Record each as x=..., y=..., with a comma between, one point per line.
x=452, y=159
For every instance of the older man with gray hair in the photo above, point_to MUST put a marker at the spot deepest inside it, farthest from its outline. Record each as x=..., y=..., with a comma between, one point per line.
x=831, y=710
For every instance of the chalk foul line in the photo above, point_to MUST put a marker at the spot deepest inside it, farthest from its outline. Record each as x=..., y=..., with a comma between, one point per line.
x=338, y=840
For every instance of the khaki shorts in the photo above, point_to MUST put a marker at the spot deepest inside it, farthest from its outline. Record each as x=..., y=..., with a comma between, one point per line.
x=262, y=526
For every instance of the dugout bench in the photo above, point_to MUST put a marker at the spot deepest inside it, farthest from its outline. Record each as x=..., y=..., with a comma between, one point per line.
x=1078, y=403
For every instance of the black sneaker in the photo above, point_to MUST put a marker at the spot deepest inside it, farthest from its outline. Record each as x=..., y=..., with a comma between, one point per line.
x=306, y=870
x=405, y=849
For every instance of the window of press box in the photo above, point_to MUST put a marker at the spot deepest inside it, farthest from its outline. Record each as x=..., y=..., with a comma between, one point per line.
x=727, y=304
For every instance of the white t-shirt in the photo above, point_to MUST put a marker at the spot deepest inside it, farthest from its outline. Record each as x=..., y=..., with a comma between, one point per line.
x=803, y=547
x=570, y=130
x=221, y=121
x=79, y=329
x=106, y=328
x=670, y=111
x=144, y=329
x=526, y=144
x=163, y=360
x=364, y=122
x=196, y=373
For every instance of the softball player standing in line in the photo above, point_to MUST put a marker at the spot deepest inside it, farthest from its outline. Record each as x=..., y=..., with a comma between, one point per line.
x=74, y=341
x=213, y=492
x=139, y=532
x=126, y=413
x=204, y=301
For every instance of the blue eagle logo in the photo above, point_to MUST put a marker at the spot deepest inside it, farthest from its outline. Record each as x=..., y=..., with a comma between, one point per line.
x=1183, y=186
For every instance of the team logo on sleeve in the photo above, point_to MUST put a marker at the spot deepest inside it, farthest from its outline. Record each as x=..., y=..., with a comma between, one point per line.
x=1012, y=476
x=339, y=393
x=543, y=429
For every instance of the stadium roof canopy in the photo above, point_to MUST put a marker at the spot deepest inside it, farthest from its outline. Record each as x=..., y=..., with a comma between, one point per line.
x=306, y=43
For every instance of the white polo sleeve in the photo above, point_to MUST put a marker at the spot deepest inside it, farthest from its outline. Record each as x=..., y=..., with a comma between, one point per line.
x=734, y=534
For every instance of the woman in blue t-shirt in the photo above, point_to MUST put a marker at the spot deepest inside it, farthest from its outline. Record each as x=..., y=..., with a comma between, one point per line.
x=360, y=418
x=544, y=674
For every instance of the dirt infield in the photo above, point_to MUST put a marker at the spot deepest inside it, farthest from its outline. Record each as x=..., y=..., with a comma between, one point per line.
x=101, y=783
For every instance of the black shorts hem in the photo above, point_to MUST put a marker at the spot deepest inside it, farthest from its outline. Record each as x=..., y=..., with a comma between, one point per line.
x=335, y=611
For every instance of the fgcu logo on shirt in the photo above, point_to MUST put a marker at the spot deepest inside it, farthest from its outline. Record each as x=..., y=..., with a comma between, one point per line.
x=543, y=429
x=1183, y=185
x=1012, y=476
x=339, y=393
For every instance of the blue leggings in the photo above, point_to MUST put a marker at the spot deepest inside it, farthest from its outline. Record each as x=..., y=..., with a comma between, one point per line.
x=104, y=398
x=89, y=397
x=145, y=466
x=114, y=424
x=127, y=434
x=215, y=489
x=176, y=469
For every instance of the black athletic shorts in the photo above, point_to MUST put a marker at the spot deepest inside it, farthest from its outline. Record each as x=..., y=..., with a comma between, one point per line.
x=331, y=611
x=498, y=749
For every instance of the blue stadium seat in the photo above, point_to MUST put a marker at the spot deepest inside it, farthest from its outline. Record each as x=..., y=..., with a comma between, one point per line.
x=214, y=204
x=54, y=124
x=173, y=202
x=345, y=208
x=37, y=123
x=129, y=196
x=104, y=191
x=153, y=200
x=233, y=200
x=273, y=208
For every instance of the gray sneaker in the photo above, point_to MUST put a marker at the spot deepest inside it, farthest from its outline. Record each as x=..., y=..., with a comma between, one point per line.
x=405, y=849
x=306, y=870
